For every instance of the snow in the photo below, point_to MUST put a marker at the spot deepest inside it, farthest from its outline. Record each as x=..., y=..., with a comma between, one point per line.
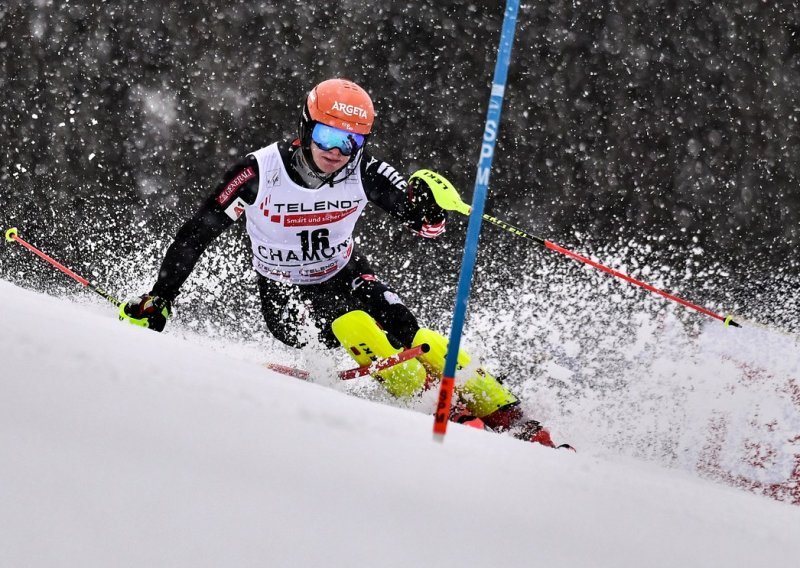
x=122, y=447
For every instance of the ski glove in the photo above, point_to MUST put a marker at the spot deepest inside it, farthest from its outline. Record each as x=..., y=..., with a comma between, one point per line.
x=427, y=218
x=146, y=311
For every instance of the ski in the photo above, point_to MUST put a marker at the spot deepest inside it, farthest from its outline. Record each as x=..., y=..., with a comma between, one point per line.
x=374, y=367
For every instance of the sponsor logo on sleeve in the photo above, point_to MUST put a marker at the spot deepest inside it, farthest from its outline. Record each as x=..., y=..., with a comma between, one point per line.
x=236, y=208
x=241, y=178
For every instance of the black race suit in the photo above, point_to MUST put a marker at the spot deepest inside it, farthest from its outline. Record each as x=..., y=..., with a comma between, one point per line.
x=285, y=305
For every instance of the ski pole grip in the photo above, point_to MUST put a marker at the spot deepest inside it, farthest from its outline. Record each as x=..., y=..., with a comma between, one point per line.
x=729, y=322
x=11, y=234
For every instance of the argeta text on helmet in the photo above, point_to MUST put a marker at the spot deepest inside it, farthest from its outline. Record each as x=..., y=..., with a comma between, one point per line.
x=349, y=109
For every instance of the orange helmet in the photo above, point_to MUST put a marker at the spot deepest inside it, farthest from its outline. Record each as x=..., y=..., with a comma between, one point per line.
x=341, y=104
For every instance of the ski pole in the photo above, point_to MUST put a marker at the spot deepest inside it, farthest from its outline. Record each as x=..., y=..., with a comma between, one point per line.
x=13, y=236
x=447, y=197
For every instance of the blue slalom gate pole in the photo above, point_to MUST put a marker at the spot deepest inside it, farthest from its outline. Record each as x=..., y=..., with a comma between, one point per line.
x=474, y=228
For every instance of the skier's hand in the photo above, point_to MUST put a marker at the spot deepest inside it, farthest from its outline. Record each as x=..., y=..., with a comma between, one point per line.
x=428, y=219
x=146, y=311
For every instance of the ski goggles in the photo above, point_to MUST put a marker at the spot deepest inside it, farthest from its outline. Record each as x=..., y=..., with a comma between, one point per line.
x=328, y=138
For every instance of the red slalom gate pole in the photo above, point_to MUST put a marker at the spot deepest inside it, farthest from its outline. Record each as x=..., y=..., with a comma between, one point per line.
x=447, y=197
x=13, y=236
x=727, y=320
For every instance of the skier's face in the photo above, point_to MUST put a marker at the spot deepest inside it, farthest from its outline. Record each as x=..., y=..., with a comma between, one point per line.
x=328, y=161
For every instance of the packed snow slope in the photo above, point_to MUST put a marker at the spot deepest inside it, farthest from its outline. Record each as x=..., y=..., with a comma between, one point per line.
x=122, y=447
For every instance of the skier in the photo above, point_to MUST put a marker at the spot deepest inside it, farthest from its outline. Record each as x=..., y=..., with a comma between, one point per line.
x=301, y=200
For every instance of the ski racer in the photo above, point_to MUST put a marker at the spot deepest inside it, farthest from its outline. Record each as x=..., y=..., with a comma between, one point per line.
x=300, y=200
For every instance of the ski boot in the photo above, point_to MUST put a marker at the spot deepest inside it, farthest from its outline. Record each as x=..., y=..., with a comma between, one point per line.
x=511, y=419
x=460, y=415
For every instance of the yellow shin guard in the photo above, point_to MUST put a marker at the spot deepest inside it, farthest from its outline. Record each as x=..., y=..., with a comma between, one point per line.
x=481, y=394
x=365, y=341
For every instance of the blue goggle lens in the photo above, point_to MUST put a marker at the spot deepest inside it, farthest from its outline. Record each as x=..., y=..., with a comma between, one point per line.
x=328, y=138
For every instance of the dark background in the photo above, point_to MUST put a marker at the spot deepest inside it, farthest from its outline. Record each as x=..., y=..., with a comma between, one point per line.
x=661, y=136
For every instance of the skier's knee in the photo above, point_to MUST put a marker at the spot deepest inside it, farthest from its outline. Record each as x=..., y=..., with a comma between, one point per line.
x=387, y=308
